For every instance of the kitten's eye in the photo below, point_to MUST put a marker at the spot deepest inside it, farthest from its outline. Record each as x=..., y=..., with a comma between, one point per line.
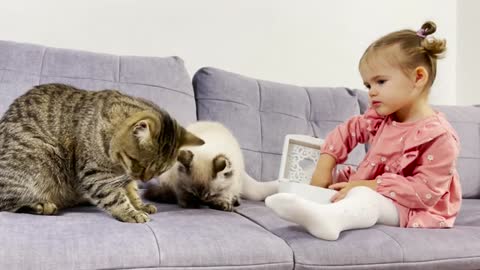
x=182, y=169
x=228, y=174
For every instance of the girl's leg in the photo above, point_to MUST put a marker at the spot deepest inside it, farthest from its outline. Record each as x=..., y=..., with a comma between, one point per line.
x=361, y=208
x=308, y=192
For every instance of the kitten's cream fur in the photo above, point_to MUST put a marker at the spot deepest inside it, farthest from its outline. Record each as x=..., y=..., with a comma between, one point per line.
x=212, y=174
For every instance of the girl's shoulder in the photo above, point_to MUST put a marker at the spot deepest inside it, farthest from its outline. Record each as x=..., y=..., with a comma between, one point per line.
x=430, y=129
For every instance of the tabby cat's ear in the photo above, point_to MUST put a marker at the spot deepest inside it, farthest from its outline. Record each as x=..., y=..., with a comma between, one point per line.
x=136, y=130
x=190, y=139
x=145, y=127
x=142, y=130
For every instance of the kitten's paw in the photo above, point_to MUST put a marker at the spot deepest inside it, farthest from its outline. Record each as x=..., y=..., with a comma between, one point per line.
x=149, y=208
x=222, y=205
x=133, y=217
x=46, y=208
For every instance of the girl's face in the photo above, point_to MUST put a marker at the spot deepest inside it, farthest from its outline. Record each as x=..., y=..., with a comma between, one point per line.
x=390, y=88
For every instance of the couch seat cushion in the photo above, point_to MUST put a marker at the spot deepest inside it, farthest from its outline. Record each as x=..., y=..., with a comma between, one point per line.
x=379, y=247
x=87, y=238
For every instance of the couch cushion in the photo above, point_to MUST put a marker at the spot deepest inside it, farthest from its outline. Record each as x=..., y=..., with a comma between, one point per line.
x=260, y=114
x=164, y=81
x=80, y=238
x=469, y=213
x=466, y=121
x=87, y=238
x=379, y=247
x=216, y=239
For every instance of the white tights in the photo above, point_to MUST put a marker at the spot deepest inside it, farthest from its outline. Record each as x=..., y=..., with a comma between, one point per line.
x=362, y=207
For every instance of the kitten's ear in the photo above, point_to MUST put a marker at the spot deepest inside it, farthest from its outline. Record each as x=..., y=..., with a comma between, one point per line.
x=189, y=139
x=220, y=163
x=185, y=157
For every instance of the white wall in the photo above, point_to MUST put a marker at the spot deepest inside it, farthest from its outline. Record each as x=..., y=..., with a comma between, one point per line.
x=468, y=53
x=304, y=42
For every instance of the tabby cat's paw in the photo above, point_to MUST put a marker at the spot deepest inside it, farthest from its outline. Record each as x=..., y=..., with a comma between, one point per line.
x=222, y=205
x=47, y=208
x=133, y=217
x=149, y=208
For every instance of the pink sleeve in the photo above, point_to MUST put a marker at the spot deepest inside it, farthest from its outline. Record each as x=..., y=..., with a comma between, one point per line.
x=358, y=129
x=430, y=179
x=343, y=175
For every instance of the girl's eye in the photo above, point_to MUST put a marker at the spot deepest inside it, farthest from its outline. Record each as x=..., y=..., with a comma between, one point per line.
x=381, y=81
x=367, y=86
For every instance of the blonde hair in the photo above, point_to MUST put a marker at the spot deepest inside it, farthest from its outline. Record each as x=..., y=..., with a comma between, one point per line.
x=418, y=49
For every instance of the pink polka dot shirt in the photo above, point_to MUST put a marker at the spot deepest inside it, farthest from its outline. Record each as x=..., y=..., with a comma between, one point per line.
x=413, y=164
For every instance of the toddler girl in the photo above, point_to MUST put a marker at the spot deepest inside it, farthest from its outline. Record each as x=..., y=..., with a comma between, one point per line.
x=408, y=177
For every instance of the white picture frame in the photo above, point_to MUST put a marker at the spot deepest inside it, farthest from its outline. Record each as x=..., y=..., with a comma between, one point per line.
x=299, y=157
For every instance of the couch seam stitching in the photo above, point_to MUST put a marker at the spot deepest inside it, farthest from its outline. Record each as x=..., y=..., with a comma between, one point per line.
x=94, y=79
x=272, y=233
x=310, y=111
x=395, y=240
x=390, y=263
x=42, y=65
x=158, y=245
x=202, y=267
x=119, y=66
x=261, y=127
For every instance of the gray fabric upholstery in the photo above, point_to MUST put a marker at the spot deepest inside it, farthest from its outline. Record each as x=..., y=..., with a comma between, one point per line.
x=205, y=237
x=260, y=114
x=466, y=121
x=86, y=238
x=379, y=247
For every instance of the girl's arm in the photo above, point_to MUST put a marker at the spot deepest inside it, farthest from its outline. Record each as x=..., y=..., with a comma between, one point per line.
x=341, y=141
x=322, y=176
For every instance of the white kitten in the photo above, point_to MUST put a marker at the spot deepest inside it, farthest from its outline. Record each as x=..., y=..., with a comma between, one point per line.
x=212, y=174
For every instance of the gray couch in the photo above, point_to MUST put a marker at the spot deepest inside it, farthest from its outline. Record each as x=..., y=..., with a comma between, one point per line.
x=260, y=114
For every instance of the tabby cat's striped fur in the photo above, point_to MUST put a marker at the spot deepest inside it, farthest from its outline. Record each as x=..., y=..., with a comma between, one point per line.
x=60, y=145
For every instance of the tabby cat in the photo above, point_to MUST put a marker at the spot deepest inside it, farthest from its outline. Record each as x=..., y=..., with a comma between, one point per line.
x=212, y=174
x=60, y=146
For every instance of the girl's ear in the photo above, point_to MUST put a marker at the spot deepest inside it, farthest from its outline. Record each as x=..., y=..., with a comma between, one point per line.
x=421, y=77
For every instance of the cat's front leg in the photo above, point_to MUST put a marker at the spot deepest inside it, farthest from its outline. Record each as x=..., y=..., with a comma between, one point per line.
x=108, y=192
x=132, y=193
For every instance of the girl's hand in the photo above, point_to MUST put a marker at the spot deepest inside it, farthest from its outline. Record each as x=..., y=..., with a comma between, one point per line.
x=344, y=187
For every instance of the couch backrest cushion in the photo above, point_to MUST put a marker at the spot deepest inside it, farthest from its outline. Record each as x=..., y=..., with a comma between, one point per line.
x=260, y=114
x=164, y=81
x=466, y=121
